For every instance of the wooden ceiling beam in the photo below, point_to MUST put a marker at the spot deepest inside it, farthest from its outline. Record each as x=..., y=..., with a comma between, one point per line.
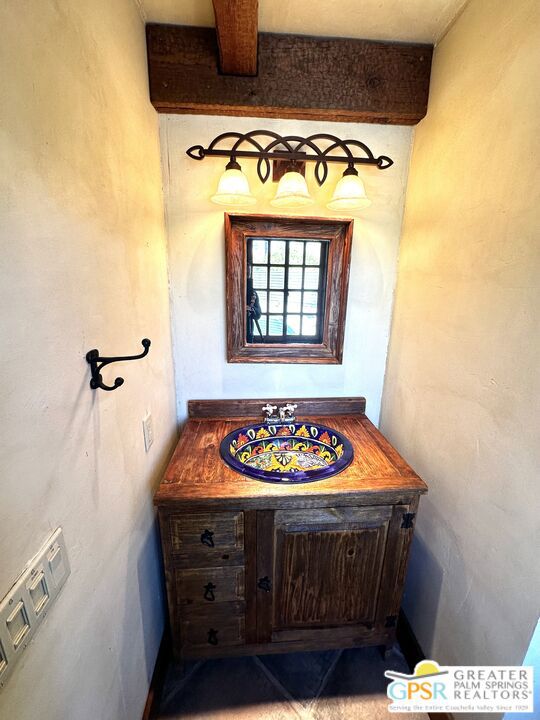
x=334, y=79
x=237, y=32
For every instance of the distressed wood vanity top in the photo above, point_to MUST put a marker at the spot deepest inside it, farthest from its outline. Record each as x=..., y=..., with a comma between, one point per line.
x=197, y=475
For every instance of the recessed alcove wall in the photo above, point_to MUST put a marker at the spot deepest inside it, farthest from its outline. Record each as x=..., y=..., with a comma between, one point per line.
x=461, y=391
x=197, y=263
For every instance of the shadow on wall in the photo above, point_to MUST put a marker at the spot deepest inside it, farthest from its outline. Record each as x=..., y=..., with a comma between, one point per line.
x=422, y=592
x=144, y=598
x=143, y=587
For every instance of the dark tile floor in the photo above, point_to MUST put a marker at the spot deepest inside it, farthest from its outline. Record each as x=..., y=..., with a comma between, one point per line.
x=332, y=685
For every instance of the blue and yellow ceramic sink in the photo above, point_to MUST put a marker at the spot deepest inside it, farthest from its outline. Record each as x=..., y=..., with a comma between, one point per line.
x=292, y=453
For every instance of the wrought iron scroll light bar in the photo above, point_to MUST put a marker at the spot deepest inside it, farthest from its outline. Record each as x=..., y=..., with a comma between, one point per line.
x=289, y=147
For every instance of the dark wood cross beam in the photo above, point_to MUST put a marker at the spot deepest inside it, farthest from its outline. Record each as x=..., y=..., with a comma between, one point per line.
x=237, y=32
x=298, y=76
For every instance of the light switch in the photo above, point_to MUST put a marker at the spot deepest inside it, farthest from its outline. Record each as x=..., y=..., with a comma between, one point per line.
x=39, y=592
x=57, y=566
x=3, y=661
x=17, y=624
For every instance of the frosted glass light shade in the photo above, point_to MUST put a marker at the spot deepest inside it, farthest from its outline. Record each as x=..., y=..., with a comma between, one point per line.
x=292, y=191
x=349, y=193
x=233, y=189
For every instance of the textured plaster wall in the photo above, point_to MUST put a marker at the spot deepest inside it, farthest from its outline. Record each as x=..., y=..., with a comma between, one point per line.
x=197, y=265
x=83, y=265
x=462, y=386
x=410, y=21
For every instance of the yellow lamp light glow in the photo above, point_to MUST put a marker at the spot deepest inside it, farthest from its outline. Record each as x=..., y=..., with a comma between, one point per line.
x=292, y=191
x=349, y=193
x=233, y=187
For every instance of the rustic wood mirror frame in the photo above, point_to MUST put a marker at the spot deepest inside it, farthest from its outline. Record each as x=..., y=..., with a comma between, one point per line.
x=338, y=233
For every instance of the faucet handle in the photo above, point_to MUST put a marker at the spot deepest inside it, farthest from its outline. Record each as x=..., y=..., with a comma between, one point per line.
x=268, y=409
x=286, y=412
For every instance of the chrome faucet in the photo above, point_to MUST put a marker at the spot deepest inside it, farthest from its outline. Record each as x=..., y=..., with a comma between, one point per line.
x=284, y=415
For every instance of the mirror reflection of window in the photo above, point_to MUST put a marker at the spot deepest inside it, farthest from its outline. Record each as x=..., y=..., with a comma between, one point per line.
x=286, y=290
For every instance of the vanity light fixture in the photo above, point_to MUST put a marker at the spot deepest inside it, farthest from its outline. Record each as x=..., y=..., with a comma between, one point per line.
x=350, y=192
x=233, y=187
x=292, y=191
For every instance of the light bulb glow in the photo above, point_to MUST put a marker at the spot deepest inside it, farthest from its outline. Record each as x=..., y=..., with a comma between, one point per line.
x=233, y=189
x=292, y=191
x=349, y=193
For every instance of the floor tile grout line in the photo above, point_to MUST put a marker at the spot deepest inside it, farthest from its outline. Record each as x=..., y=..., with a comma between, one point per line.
x=375, y=707
x=325, y=679
x=296, y=706
x=184, y=680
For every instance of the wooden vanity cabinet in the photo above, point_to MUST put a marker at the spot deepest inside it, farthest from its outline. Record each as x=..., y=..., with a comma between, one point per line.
x=254, y=568
x=304, y=579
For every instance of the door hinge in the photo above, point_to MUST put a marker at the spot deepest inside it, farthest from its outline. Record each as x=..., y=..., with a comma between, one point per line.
x=408, y=519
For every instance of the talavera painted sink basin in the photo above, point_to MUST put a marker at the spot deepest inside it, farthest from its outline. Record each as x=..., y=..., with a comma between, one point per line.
x=299, y=452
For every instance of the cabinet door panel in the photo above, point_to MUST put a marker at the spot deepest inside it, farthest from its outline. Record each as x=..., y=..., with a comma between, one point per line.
x=329, y=577
x=327, y=566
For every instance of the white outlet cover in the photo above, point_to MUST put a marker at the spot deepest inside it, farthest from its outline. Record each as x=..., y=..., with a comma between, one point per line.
x=148, y=431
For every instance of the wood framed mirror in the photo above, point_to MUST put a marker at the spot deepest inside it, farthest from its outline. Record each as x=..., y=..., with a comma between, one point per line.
x=286, y=283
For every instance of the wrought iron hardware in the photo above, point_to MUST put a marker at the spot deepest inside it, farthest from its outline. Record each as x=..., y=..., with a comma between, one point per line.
x=391, y=621
x=264, y=583
x=97, y=364
x=408, y=520
x=209, y=592
x=212, y=636
x=292, y=148
x=207, y=538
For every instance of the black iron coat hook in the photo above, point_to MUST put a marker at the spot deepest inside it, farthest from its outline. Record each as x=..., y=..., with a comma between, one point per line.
x=97, y=363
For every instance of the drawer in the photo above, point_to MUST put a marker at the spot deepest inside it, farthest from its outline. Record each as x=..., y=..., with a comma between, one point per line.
x=206, y=539
x=205, y=586
x=223, y=626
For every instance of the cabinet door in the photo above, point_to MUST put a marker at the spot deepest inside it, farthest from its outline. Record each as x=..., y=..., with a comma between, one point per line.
x=320, y=570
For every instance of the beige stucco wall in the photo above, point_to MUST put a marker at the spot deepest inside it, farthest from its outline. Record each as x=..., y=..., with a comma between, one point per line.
x=197, y=263
x=398, y=20
x=83, y=265
x=463, y=382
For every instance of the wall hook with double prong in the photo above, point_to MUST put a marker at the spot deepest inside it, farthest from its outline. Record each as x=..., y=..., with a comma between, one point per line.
x=97, y=363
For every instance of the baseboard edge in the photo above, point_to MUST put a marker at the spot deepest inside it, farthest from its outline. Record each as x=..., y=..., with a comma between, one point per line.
x=158, y=677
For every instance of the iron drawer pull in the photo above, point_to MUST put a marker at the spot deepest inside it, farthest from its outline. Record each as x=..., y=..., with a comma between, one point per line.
x=212, y=636
x=209, y=592
x=264, y=583
x=207, y=538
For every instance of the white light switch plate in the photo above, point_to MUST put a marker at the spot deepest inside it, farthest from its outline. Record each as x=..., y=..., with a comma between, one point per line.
x=29, y=600
x=148, y=431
